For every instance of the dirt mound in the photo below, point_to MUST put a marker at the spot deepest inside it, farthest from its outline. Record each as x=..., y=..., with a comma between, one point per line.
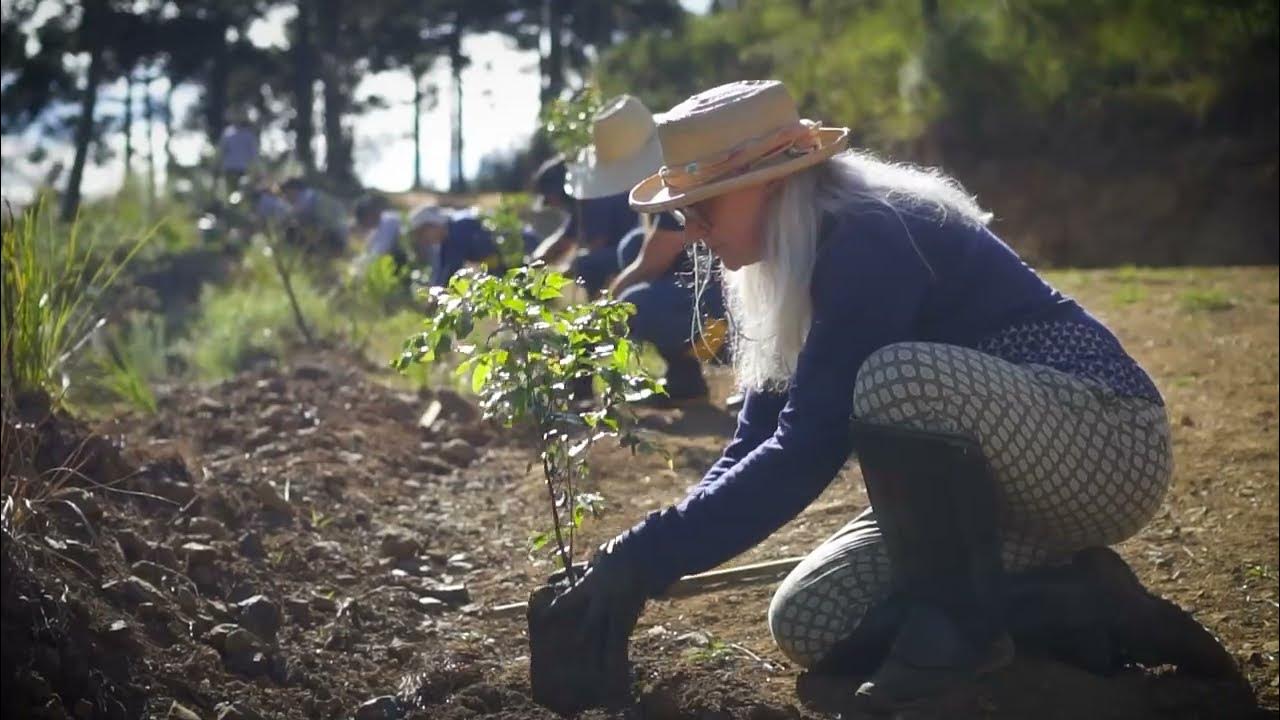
x=295, y=543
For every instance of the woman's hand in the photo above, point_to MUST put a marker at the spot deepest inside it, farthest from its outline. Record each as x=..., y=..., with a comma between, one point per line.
x=605, y=603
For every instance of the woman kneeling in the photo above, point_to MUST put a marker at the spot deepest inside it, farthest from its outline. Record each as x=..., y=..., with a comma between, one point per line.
x=1005, y=436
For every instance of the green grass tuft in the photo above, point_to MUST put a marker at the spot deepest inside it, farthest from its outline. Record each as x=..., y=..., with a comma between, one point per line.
x=1206, y=300
x=54, y=281
x=1129, y=294
x=128, y=360
x=251, y=318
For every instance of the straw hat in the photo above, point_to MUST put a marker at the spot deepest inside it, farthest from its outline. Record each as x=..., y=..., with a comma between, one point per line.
x=732, y=136
x=624, y=150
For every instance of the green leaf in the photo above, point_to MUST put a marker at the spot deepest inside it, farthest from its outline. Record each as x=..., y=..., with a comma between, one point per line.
x=622, y=353
x=480, y=375
x=443, y=345
x=465, y=325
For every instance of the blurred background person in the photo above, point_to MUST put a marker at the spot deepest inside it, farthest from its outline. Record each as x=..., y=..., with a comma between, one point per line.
x=643, y=263
x=448, y=240
x=237, y=151
x=624, y=145
x=382, y=230
x=550, y=198
x=321, y=217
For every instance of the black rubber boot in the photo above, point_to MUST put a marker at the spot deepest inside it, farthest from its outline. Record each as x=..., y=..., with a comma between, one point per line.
x=1048, y=611
x=936, y=504
x=1094, y=613
x=1144, y=627
x=1091, y=613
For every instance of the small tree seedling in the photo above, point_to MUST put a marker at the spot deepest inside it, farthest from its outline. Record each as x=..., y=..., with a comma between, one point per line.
x=523, y=366
x=507, y=224
x=567, y=122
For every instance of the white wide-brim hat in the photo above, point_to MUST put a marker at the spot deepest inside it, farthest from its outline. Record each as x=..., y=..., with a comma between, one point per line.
x=624, y=150
x=732, y=136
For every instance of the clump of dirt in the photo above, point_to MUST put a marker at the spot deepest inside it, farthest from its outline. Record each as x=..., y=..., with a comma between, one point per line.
x=57, y=656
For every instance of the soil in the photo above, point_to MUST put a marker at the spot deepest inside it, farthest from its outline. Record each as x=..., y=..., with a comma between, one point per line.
x=291, y=544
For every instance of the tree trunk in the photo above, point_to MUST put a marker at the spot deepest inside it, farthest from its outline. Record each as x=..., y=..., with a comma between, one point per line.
x=84, y=126
x=167, y=147
x=457, y=181
x=417, y=129
x=553, y=57
x=148, y=112
x=216, y=91
x=457, y=177
x=128, y=125
x=929, y=146
x=929, y=9
x=304, y=92
x=337, y=154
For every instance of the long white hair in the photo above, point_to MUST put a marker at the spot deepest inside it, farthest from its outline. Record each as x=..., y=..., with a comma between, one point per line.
x=769, y=302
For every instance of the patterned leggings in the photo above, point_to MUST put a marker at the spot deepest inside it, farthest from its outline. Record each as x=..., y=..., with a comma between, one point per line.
x=1076, y=466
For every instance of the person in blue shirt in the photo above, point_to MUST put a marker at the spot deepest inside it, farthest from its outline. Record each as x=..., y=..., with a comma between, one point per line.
x=641, y=263
x=1004, y=435
x=237, y=150
x=381, y=227
x=680, y=312
x=624, y=147
x=321, y=218
x=592, y=225
x=448, y=240
x=270, y=211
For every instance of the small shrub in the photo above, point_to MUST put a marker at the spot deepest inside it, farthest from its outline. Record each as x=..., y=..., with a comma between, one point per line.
x=383, y=285
x=371, y=293
x=114, y=223
x=253, y=317
x=714, y=652
x=507, y=224
x=124, y=382
x=525, y=370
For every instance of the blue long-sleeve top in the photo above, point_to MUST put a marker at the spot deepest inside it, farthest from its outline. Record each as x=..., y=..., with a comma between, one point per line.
x=881, y=276
x=467, y=240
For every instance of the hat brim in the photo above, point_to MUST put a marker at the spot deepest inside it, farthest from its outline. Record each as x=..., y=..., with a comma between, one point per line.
x=651, y=195
x=588, y=179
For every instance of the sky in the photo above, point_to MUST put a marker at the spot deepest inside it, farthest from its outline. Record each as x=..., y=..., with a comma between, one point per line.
x=499, y=107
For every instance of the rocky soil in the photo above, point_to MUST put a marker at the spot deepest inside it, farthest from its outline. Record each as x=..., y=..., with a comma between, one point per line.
x=294, y=543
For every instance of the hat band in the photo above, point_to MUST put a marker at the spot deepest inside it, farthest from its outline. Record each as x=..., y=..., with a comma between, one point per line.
x=794, y=140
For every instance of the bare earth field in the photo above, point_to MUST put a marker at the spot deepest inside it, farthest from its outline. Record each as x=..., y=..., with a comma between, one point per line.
x=291, y=544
